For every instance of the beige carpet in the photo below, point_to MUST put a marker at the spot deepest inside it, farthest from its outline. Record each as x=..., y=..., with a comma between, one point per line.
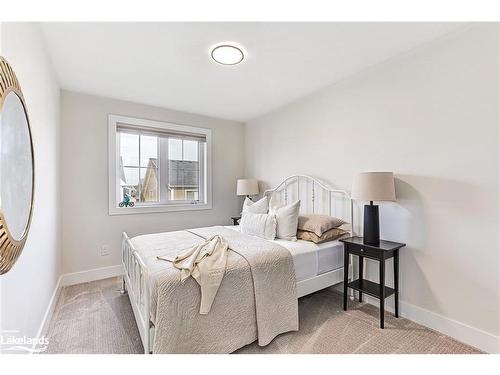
x=95, y=318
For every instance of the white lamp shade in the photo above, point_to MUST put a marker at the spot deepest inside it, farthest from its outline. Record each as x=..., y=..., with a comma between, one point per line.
x=247, y=186
x=374, y=186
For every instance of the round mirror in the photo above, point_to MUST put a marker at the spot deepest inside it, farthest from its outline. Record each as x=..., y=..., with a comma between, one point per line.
x=16, y=169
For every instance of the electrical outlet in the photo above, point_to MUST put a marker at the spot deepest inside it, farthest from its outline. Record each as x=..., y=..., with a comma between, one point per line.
x=104, y=250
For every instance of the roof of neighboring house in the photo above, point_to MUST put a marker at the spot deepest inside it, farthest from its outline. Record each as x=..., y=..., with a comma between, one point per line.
x=153, y=163
x=183, y=173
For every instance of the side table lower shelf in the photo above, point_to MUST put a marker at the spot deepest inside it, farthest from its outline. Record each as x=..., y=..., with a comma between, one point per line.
x=370, y=288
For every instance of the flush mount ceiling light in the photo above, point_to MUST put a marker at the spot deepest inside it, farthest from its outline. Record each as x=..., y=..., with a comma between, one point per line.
x=227, y=54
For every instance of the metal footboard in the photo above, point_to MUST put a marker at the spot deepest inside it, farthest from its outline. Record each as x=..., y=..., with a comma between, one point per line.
x=137, y=285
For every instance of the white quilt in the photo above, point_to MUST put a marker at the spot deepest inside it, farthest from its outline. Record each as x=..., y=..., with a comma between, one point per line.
x=257, y=299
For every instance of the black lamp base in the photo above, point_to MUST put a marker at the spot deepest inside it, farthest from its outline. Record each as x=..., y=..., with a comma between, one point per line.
x=371, y=227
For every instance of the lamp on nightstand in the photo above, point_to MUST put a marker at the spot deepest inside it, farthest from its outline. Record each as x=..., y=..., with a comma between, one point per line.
x=247, y=186
x=373, y=186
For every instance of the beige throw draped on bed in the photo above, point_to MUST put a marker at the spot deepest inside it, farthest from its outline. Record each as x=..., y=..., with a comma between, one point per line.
x=206, y=263
x=256, y=300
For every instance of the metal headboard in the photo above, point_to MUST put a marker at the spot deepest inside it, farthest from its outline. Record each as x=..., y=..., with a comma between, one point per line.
x=290, y=189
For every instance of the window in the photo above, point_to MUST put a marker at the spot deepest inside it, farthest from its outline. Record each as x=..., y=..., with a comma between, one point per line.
x=156, y=166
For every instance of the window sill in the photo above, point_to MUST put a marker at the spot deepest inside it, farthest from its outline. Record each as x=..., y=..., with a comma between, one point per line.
x=158, y=209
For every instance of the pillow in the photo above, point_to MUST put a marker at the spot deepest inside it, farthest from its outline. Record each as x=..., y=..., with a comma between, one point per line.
x=260, y=225
x=329, y=235
x=259, y=207
x=319, y=224
x=347, y=227
x=287, y=218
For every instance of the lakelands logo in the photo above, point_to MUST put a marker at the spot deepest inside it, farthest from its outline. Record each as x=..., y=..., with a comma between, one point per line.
x=11, y=342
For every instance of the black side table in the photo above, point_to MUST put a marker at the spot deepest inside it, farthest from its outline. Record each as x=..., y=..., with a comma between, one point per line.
x=384, y=250
x=236, y=219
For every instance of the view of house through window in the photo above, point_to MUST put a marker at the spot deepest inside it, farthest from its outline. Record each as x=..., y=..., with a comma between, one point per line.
x=160, y=168
x=139, y=167
x=183, y=169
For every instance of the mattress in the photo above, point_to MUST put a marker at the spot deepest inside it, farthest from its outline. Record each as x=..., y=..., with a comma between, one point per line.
x=310, y=259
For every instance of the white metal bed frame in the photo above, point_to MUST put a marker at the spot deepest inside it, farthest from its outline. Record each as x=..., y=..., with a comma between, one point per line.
x=135, y=274
x=333, y=277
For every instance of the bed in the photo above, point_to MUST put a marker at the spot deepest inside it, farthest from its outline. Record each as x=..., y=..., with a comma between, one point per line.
x=312, y=262
x=254, y=289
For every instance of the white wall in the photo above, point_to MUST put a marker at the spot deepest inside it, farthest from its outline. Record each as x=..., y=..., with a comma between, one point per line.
x=27, y=288
x=430, y=116
x=86, y=224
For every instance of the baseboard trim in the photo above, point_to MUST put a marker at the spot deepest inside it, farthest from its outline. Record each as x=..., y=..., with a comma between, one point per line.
x=48, y=314
x=91, y=275
x=472, y=336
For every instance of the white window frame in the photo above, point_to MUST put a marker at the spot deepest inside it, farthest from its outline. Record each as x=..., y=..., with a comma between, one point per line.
x=114, y=171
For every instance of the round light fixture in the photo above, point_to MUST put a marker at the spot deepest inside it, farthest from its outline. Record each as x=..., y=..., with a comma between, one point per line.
x=227, y=54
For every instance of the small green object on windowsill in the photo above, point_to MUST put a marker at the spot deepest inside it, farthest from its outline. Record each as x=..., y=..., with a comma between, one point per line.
x=126, y=202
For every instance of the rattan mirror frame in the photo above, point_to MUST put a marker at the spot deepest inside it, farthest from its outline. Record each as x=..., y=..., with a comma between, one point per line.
x=10, y=248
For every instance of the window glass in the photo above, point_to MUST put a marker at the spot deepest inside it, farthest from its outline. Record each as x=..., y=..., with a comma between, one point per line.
x=183, y=170
x=175, y=149
x=149, y=184
x=149, y=150
x=190, y=150
x=138, y=168
x=129, y=149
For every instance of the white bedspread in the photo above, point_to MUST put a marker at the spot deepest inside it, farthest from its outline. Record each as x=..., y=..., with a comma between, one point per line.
x=257, y=299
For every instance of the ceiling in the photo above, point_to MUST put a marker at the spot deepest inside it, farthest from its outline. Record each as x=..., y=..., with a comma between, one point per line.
x=168, y=64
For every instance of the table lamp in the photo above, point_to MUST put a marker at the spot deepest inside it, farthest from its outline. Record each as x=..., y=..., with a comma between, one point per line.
x=373, y=186
x=247, y=186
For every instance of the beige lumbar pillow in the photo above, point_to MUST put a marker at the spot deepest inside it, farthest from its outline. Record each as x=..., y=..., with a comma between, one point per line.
x=329, y=235
x=318, y=224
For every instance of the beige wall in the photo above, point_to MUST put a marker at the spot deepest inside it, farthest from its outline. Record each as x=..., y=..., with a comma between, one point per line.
x=25, y=291
x=430, y=116
x=86, y=224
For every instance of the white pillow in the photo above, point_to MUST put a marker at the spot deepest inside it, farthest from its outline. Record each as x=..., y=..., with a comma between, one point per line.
x=259, y=207
x=287, y=218
x=260, y=225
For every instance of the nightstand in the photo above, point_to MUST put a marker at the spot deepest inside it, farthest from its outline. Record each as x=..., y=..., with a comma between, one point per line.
x=236, y=219
x=381, y=252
